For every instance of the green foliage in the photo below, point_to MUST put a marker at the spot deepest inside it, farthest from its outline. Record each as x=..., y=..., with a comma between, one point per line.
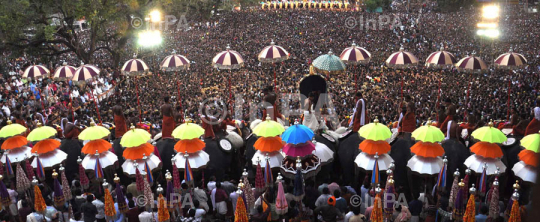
x=371, y=5
x=453, y=5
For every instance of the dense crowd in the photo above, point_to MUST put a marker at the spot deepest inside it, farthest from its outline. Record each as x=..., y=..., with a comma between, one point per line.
x=306, y=35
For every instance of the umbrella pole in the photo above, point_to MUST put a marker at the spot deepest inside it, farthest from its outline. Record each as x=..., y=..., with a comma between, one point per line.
x=355, y=79
x=97, y=109
x=508, y=100
x=438, y=100
x=179, y=99
x=71, y=106
x=230, y=92
x=274, y=67
x=468, y=93
x=138, y=101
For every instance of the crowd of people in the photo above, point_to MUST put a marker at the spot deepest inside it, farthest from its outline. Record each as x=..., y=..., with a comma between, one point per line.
x=306, y=34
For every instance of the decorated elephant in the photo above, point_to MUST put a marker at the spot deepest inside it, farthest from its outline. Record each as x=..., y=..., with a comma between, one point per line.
x=345, y=155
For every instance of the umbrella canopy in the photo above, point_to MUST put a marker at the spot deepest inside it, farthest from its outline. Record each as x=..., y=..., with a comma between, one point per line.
x=427, y=149
x=41, y=133
x=531, y=142
x=228, y=59
x=375, y=131
x=301, y=150
x=135, y=137
x=94, y=146
x=196, y=160
x=174, y=62
x=428, y=133
x=268, y=128
x=17, y=155
x=275, y=158
x=476, y=163
x=189, y=146
x=471, y=64
x=268, y=144
x=188, y=131
x=85, y=73
x=45, y=146
x=325, y=154
x=487, y=150
x=372, y=147
x=510, y=60
x=328, y=64
x=297, y=134
x=425, y=165
x=36, y=72
x=355, y=55
x=273, y=53
x=50, y=159
x=528, y=157
x=94, y=132
x=11, y=129
x=134, y=67
x=64, y=72
x=489, y=134
x=525, y=172
x=130, y=166
x=401, y=59
x=138, y=152
x=441, y=59
x=14, y=142
x=106, y=159
x=366, y=161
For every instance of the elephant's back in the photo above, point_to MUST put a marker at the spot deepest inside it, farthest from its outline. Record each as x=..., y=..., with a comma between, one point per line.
x=250, y=150
x=166, y=152
x=73, y=150
x=400, y=151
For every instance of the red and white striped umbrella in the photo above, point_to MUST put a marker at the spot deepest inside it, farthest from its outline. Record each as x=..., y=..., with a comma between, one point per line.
x=85, y=73
x=228, y=59
x=174, y=63
x=273, y=53
x=401, y=59
x=441, y=59
x=134, y=67
x=64, y=72
x=510, y=60
x=471, y=64
x=355, y=55
x=36, y=72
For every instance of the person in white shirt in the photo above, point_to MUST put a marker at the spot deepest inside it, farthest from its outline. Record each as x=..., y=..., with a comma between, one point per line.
x=148, y=216
x=35, y=217
x=100, y=216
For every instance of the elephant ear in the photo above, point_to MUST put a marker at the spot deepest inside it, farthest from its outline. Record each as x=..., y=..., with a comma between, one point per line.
x=235, y=139
x=341, y=130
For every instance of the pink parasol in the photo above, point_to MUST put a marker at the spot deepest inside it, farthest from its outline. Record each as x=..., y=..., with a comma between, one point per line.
x=302, y=149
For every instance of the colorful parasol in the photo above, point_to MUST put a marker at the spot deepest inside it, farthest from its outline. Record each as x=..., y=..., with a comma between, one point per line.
x=188, y=131
x=268, y=144
x=105, y=159
x=138, y=152
x=268, y=128
x=275, y=158
x=301, y=150
x=174, y=62
x=375, y=131
x=510, y=60
x=196, y=160
x=401, y=59
x=17, y=155
x=367, y=162
x=425, y=166
x=487, y=150
x=531, y=142
x=129, y=166
x=228, y=59
x=471, y=64
x=428, y=133
x=441, y=59
x=94, y=132
x=526, y=172
x=36, y=72
x=325, y=154
x=85, y=73
x=40, y=133
x=489, y=134
x=11, y=129
x=528, y=157
x=14, y=142
x=371, y=147
x=328, y=64
x=297, y=134
x=189, y=146
x=50, y=159
x=99, y=145
x=273, y=53
x=476, y=164
x=355, y=55
x=134, y=67
x=45, y=146
x=427, y=149
x=64, y=72
x=135, y=137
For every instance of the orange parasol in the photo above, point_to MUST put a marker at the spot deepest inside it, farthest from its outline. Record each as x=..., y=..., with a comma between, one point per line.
x=269, y=144
x=426, y=149
x=372, y=147
x=189, y=146
x=135, y=153
x=487, y=150
x=99, y=145
x=14, y=142
x=45, y=146
x=528, y=157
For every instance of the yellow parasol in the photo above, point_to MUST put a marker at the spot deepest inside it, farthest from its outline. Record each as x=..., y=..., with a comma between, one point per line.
x=375, y=131
x=12, y=129
x=428, y=134
x=41, y=132
x=94, y=132
x=489, y=134
x=134, y=137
